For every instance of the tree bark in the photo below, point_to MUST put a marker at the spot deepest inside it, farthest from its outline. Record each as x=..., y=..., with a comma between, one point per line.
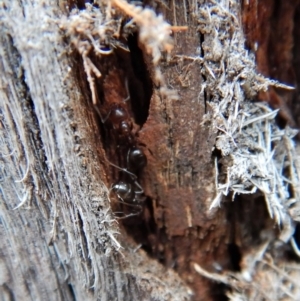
x=59, y=238
x=66, y=232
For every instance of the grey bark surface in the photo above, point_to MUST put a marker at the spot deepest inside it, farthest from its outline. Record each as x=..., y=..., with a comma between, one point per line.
x=59, y=240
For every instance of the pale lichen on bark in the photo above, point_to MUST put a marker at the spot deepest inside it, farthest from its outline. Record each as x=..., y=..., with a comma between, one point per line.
x=247, y=131
x=257, y=156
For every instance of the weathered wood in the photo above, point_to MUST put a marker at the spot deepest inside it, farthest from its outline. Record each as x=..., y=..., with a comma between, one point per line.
x=59, y=237
x=180, y=174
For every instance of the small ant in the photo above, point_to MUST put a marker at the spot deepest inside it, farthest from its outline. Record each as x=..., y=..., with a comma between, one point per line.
x=129, y=191
x=119, y=117
x=120, y=121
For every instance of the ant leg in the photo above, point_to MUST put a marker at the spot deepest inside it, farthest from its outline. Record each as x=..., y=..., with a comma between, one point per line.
x=133, y=177
x=141, y=190
x=130, y=214
x=103, y=120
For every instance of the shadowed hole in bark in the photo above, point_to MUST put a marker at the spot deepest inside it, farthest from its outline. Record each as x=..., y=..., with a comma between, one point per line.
x=141, y=87
x=80, y=4
x=281, y=121
x=201, y=40
x=218, y=292
x=246, y=212
x=217, y=153
x=83, y=246
x=125, y=85
x=289, y=253
x=71, y=292
x=235, y=256
x=296, y=64
x=144, y=230
x=297, y=236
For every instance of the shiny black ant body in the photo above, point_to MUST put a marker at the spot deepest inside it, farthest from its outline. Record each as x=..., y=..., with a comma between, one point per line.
x=129, y=197
x=119, y=119
x=121, y=123
x=129, y=191
x=136, y=159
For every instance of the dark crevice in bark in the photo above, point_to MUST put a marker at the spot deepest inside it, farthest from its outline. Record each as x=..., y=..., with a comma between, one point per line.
x=218, y=291
x=140, y=93
x=201, y=40
x=71, y=292
x=80, y=4
x=235, y=256
x=31, y=121
x=84, y=249
x=125, y=85
x=297, y=237
x=296, y=64
x=6, y=293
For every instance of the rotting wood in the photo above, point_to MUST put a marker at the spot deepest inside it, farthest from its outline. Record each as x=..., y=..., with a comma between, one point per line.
x=230, y=245
x=272, y=33
x=52, y=140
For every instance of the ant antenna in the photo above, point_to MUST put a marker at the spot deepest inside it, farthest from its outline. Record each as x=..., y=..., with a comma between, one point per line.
x=127, y=90
x=134, y=177
x=103, y=120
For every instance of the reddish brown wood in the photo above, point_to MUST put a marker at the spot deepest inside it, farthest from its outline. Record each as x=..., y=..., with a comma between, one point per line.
x=272, y=32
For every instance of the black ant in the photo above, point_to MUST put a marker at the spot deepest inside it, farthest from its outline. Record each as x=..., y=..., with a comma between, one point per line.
x=119, y=120
x=129, y=191
x=121, y=123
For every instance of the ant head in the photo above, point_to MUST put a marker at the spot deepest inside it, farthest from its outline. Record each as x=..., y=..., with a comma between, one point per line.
x=124, y=191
